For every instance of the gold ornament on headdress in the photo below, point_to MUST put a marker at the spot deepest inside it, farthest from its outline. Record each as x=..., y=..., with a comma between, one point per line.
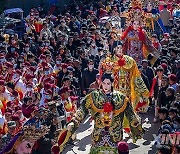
x=106, y=65
x=135, y=12
x=136, y=4
x=31, y=133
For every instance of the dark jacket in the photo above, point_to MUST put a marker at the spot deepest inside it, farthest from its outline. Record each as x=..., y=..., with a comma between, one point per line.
x=60, y=77
x=178, y=75
x=97, y=61
x=149, y=73
x=155, y=87
x=84, y=62
x=93, y=86
x=162, y=99
x=146, y=81
x=170, y=101
x=88, y=78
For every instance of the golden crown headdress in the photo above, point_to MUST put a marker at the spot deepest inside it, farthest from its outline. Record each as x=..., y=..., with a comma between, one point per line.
x=32, y=133
x=136, y=4
x=106, y=65
x=135, y=12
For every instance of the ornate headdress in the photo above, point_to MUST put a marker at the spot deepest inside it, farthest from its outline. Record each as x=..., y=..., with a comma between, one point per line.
x=106, y=65
x=33, y=133
x=136, y=4
x=30, y=133
x=135, y=12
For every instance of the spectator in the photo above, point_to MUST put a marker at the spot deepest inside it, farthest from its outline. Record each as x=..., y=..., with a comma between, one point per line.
x=163, y=114
x=74, y=80
x=147, y=71
x=177, y=123
x=178, y=71
x=95, y=85
x=144, y=77
x=88, y=76
x=165, y=68
x=165, y=15
x=45, y=32
x=166, y=39
x=98, y=57
x=162, y=98
x=163, y=149
x=67, y=82
x=62, y=73
x=156, y=84
x=83, y=60
x=11, y=125
x=173, y=81
x=165, y=55
x=174, y=57
x=123, y=148
x=156, y=43
x=170, y=94
x=173, y=112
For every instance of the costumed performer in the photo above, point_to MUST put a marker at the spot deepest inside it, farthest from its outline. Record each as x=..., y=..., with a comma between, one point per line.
x=136, y=42
x=24, y=141
x=107, y=108
x=153, y=22
x=127, y=79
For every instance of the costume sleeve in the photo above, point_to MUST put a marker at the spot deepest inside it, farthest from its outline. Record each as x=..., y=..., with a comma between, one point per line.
x=82, y=112
x=124, y=37
x=66, y=134
x=148, y=47
x=135, y=123
x=140, y=95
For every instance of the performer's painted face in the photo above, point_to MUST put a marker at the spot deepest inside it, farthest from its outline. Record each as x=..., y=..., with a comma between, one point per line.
x=106, y=86
x=118, y=50
x=149, y=7
x=25, y=148
x=136, y=25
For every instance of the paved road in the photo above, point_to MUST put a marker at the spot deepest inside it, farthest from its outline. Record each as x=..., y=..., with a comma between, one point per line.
x=143, y=146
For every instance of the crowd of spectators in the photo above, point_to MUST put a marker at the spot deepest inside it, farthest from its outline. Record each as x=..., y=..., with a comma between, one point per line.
x=44, y=74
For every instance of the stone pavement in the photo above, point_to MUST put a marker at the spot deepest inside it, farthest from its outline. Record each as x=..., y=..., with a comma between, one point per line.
x=142, y=146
